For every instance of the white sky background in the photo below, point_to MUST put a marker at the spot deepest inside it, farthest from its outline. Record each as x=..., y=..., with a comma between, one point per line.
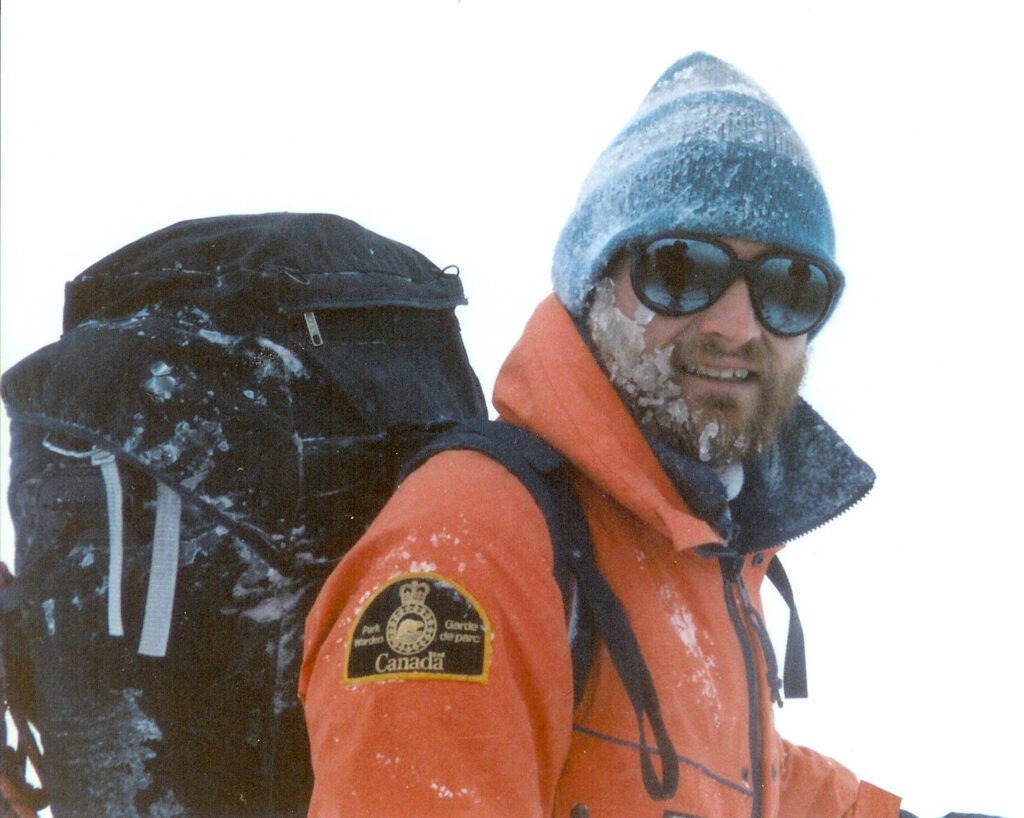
x=465, y=129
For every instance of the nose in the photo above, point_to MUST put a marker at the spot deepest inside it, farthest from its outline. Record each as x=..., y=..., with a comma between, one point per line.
x=731, y=317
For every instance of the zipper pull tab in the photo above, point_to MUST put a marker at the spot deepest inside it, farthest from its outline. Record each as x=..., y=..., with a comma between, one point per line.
x=314, y=329
x=734, y=565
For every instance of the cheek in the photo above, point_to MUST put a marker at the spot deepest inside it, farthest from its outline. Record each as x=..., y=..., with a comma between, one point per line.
x=790, y=353
x=658, y=330
x=624, y=297
x=661, y=331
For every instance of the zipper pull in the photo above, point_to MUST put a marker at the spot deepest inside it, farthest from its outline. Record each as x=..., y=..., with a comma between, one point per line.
x=314, y=329
x=761, y=632
x=733, y=563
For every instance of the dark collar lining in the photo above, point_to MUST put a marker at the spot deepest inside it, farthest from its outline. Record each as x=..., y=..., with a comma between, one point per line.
x=808, y=478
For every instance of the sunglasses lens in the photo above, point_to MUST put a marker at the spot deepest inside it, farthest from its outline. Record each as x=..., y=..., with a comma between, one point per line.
x=790, y=295
x=679, y=276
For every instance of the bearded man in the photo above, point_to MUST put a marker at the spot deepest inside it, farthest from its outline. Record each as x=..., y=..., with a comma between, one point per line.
x=695, y=268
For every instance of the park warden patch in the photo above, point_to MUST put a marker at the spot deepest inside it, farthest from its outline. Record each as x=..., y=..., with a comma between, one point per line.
x=420, y=626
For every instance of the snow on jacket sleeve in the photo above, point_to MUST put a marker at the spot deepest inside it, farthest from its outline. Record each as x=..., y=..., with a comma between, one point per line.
x=489, y=743
x=815, y=786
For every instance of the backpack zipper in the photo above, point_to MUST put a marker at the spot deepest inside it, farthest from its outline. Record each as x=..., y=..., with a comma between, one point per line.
x=313, y=328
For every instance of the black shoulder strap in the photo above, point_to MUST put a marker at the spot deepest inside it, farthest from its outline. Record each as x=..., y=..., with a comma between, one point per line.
x=535, y=464
x=794, y=672
x=548, y=478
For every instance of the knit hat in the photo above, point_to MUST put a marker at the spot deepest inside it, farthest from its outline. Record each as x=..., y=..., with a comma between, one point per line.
x=708, y=151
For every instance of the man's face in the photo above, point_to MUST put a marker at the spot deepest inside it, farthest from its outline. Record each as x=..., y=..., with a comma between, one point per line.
x=715, y=383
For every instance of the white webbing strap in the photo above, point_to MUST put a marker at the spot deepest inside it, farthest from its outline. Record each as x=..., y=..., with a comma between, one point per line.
x=163, y=573
x=115, y=529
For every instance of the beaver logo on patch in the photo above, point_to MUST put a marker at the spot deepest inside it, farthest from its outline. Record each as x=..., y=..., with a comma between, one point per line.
x=413, y=626
x=419, y=626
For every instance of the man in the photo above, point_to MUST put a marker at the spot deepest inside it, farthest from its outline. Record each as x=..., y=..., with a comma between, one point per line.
x=688, y=280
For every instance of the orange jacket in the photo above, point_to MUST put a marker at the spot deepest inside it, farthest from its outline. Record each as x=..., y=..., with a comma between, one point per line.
x=437, y=678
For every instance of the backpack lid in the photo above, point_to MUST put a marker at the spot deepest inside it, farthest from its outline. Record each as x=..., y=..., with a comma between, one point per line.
x=183, y=356
x=318, y=261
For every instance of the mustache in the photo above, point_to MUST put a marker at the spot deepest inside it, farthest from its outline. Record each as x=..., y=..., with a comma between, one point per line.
x=754, y=353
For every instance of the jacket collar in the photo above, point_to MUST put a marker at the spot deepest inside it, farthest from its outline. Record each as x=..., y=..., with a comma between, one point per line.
x=809, y=477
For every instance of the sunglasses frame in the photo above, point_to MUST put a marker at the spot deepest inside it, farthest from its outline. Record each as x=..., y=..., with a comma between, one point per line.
x=747, y=268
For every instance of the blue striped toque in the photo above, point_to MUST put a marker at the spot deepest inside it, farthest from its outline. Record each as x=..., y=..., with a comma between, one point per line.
x=708, y=151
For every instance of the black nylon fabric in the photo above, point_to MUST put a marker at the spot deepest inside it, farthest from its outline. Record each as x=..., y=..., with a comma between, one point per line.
x=332, y=262
x=187, y=355
x=212, y=729
x=199, y=370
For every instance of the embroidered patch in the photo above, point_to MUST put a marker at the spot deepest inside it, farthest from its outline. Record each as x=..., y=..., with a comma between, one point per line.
x=420, y=626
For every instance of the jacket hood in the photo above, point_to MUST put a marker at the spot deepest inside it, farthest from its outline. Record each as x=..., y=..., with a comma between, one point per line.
x=552, y=385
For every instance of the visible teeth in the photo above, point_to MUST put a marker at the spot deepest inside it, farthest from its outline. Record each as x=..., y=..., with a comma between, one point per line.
x=719, y=374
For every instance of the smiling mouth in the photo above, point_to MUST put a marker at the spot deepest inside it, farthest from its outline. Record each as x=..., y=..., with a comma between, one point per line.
x=723, y=375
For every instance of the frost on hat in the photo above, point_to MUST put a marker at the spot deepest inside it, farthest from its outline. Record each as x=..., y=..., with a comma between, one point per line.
x=708, y=151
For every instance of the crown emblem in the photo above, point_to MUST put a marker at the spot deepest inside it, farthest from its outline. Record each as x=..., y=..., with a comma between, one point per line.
x=414, y=593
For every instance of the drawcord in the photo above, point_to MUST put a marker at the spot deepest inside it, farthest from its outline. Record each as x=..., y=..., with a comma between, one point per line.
x=794, y=673
x=163, y=572
x=761, y=632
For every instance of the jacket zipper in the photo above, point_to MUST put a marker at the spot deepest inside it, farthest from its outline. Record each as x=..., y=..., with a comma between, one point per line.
x=731, y=567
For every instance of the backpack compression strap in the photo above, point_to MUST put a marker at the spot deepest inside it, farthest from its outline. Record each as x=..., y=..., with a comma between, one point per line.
x=163, y=572
x=549, y=479
x=115, y=534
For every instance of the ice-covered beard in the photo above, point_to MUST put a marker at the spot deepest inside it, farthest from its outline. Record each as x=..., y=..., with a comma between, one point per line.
x=647, y=382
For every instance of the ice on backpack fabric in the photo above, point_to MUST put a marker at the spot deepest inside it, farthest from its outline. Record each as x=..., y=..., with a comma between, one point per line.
x=293, y=367
x=51, y=622
x=162, y=384
x=125, y=738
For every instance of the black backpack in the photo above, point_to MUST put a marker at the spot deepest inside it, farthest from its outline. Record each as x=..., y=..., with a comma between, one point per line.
x=231, y=403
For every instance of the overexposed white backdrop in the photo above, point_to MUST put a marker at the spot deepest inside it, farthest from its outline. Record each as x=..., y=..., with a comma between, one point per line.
x=465, y=130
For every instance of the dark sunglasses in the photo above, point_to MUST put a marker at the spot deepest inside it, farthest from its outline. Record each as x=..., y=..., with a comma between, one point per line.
x=680, y=274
